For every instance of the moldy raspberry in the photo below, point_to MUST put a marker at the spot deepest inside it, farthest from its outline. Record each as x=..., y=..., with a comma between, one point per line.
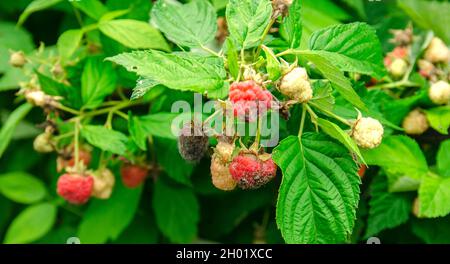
x=252, y=171
x=192, y=142
x=133, y=175
x=75, y=188
x=249, y=99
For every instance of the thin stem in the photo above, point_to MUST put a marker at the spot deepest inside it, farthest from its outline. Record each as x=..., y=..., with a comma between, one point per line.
x=67, y=109
x=77, y=15
x=302, y=122
x=77, y=143
x=241, y=68
x=331, y=114
x=69, y=134
x=108, y=123
x=121, y=114
x=266, y=31
x=210, y=51
x=286, y=52
x=258, y=131
x=395, y=85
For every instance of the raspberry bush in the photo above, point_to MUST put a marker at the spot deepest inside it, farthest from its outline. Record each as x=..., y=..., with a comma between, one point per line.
x=233, y=121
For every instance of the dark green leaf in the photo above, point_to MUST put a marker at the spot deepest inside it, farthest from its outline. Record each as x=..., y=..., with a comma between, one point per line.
x=319, y=192
x=7, y=130
x=273, y=65
x=439, y=118
x=443, y=159
x=105, y=139
x=134, y=34
x=22, y=187
x=31, y=224
x=35, y=6
x=97, y=81
x=351, y=47
x=292, y=25
x=177, y=212
x=192, y=24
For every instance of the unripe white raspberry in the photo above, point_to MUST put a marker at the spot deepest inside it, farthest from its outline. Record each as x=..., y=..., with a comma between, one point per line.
x=36, y=97
x=42, y=143
x=437, y=51
x=224, y=150
x=398, y=67
x=415, y=123
x=221, y=176
x=439, y=92
x=296, y=85
x=104, y=181
x=17, y=59
x=367, y=132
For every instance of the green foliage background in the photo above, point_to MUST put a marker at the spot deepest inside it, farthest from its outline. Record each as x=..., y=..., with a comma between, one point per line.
x=182, y=206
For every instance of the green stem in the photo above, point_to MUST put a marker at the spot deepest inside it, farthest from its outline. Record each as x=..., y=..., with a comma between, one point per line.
x=77, y=143
x=258, y=131
x=266, y=31
x=286, y=52
x=302, y=122
x=121, y=114
x=241, y=68
x=395, y=85
x=210, y=51
x=331, y=114
x=68, y=109
x=69, y=134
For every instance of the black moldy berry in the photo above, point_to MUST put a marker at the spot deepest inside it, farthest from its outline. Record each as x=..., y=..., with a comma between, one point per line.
x=192, y=142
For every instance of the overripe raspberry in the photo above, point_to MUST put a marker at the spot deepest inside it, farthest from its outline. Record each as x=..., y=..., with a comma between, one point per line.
x=252, y=172
x=17, y=59
x=367, y=132
x=398, y=67
x=75, y=188
x=104, y=181
x=439, y=92
x=296, y=85
x=193, y=141
x=281, y=7
x=133, y=175
x=42, y=143
x=437, y=51
x=415, y=123
x=249, y=100
x=220, y=174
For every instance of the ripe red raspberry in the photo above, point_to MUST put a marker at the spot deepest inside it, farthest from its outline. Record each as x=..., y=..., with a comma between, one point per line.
x=249, y=99
x=362, y=171
x=252, y=172
x=133, y=175
x=75, y=188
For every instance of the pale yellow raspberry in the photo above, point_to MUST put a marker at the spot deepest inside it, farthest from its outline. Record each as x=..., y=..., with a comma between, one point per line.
x=439, y=92
x=296, y=85
x=367, y=132
x=104, y=181
x=437, y=51
x=398, y=67
x=415, y=123
x=221, y=176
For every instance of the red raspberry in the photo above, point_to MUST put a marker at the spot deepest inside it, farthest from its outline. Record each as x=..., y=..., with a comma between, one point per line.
x=251, y=172
x=75, y=188
x=362, y=171
x=249, y=99
x=133, y=175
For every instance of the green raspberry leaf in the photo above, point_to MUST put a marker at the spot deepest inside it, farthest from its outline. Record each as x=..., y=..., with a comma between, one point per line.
x=178, y=71
x=336, y=77
x=178, y=223
x=292, y=25
x=31, y=224
x=8, y=127
x=351, y=47
x=443, y=159
x=134, y=34
x=105, y=139
x=22, y=187
x=319, y=192
x=439, y=118
x=35, y=6
x=247, y=20
x=387, y=210
x=434, y=196
x=192, y=24
x=97, y=81
x=107, y=219
x=402, y=158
